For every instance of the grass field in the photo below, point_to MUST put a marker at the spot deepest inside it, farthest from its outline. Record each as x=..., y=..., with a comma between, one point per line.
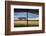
x=23, y=23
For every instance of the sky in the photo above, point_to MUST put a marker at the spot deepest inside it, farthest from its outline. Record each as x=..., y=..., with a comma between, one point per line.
x=24, y=14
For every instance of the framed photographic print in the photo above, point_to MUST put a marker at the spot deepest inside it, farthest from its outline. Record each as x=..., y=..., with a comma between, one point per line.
x=24, y=17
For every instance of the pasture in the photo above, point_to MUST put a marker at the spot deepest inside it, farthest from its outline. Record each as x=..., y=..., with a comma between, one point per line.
x=24, y=23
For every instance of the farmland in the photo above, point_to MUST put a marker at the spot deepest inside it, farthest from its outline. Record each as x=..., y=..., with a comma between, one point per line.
x=23, y=23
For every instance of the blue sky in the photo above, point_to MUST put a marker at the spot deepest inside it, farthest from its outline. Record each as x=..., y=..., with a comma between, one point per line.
x=24, y=14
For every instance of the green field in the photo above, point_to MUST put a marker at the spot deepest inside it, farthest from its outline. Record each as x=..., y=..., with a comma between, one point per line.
x=23, y=23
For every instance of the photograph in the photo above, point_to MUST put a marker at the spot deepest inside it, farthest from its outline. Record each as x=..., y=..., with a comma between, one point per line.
x=26, y=17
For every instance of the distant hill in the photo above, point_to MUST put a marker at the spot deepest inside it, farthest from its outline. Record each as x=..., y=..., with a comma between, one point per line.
x=26, y=19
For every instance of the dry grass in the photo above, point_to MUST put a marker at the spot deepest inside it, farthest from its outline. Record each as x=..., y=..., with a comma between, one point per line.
x=23, y=23
x=20, y=22
x=35, y=22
